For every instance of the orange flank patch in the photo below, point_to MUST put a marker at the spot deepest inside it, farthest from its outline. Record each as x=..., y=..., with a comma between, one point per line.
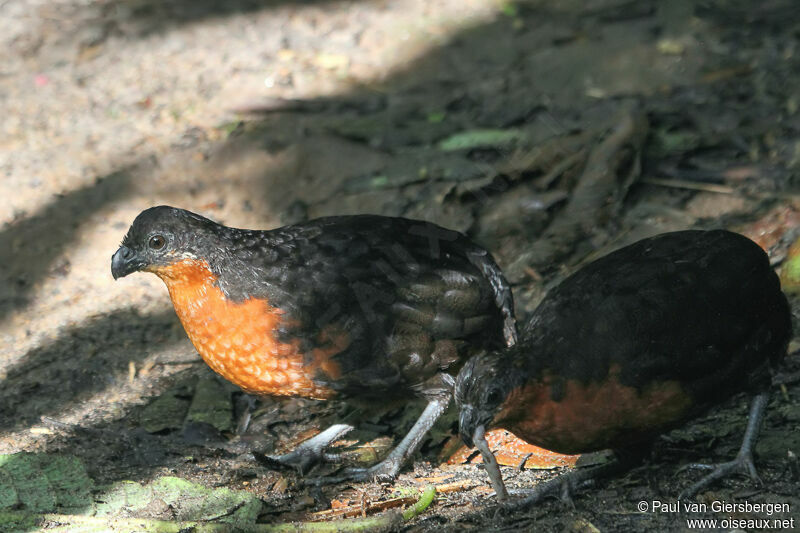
x=237, y=340
x=592, y=416
x=510, y=450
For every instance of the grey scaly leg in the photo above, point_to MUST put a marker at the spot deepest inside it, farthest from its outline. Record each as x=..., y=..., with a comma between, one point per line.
x=744, y=459
x=387, y=469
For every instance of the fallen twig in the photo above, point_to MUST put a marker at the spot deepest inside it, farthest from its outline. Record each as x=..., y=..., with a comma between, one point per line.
x=457, y=486
x=362, y=508
x=611, y=166
x=720, y=189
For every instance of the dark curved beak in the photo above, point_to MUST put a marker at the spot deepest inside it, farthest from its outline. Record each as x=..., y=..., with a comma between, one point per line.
x=466, y=424
x=490, y=463
x=124, y=262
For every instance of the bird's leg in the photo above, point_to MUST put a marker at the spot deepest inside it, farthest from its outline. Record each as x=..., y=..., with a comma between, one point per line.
x=249, y=403
x=308, y=453
x=387, y=469
x=744, y=459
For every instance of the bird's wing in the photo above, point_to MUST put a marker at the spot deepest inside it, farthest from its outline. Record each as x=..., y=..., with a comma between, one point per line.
x=406, y=297
x=692, y=307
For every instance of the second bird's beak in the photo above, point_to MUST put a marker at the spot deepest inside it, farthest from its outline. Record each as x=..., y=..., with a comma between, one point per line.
x=490, y=463
x=466, y=424
x=124, y=262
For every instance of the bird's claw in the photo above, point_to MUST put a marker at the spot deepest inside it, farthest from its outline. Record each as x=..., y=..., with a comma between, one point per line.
x=301, y=463
x=695, y=466
x=308, y=454
x=743, y=464
x=560, y=488
x=380, y=473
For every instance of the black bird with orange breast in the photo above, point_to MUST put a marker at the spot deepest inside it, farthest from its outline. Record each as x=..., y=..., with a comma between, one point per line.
x=369, y=309
x=630, y=346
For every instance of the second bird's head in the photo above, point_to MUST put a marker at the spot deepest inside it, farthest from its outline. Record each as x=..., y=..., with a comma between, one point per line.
x=161, y=236
x=481, y=389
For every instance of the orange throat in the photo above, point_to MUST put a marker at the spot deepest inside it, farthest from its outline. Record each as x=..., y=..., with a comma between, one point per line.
x=237, y=340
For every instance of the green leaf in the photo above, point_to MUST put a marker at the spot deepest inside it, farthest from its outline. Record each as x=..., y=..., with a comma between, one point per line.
x=436, y=117
x=42, y=482
x=674, y=141
x=187, y=500
x=168, y=411
x=790, y=271
x=482, y=138
x=424, y=501
x=509, y=9
x=211, y=404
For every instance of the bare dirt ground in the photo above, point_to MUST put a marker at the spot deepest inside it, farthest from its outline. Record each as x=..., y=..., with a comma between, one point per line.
x=550, y=132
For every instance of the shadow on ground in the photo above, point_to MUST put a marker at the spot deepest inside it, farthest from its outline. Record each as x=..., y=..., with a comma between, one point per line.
x=31, y=247
x=83, y=361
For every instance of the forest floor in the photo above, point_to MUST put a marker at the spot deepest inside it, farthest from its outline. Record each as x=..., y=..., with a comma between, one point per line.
x=550, y=132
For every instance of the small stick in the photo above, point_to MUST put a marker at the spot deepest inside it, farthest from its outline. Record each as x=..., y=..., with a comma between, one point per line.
x=720, y=189
x=692, y=185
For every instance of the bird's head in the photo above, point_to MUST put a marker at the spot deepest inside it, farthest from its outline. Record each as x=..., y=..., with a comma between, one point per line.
x=481, y=388
x=161, y=236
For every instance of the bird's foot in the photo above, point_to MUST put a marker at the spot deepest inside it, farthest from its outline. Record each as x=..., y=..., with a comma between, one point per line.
x=308, y=454
x=743, y=464
x=301, y=462
x=383, y=472
x=386, y=471
x=565, y=486
x=561, y=488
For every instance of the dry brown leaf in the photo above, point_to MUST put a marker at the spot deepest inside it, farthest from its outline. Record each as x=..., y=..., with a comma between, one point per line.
x=510, y=451
x=280, y=486
x=769, y=229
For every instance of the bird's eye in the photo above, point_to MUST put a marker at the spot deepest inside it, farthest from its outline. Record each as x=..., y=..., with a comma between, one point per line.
x=157, y=242
x=494, y=396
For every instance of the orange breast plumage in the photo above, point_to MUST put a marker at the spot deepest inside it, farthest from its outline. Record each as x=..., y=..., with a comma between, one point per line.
x=237, y=339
